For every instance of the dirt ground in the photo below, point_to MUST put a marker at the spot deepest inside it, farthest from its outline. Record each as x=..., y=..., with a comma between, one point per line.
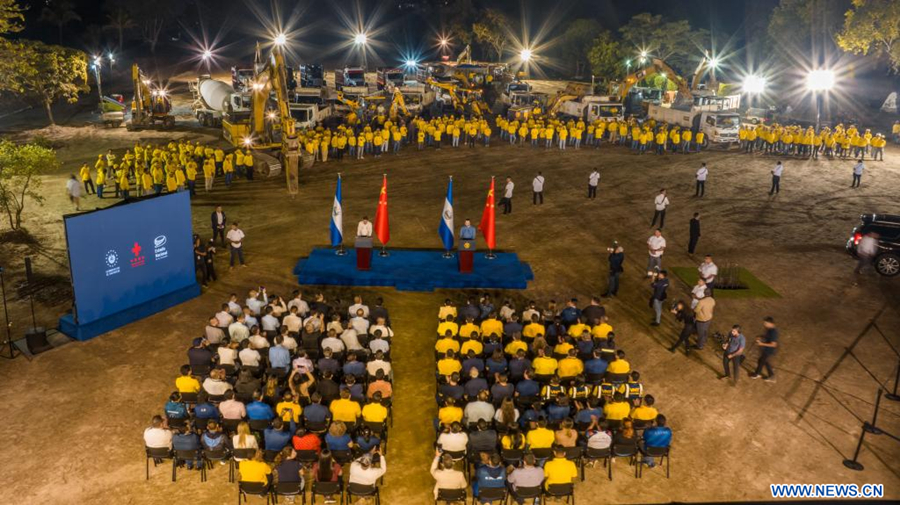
x=74, y=416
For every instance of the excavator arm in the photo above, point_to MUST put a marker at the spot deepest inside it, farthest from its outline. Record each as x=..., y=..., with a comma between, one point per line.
x=703, y=67
x=451, y=90
x=398, y=103
x=558, y=101
x=657, y=66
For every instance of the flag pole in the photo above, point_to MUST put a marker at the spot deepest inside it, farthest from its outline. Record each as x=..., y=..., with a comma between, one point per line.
x=340, y=251
x=447, y=252
x=490, y=255
x=383, y=252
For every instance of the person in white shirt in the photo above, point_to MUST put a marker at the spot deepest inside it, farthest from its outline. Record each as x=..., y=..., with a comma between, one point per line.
x=257, y=341
x=776, y=178
x=661, y=203
x=364, y=228
x=656, y=246
x=300, y=303
x=357, y=305
x=290, y=343
x=254, y=303
x=235, y=239
x=360, y=323
x=866, y=249
x=380, y=325
x=697, y=293
x=270, y=322
x=315, y=320
x=702, y=174
x=453, y=440
x=333, y=342
x=249, y=320
x=223, y=317
x=538, y=186
x=379, y=344
x=593, y=182
x=234, y=308
x=214, y=333
x=228, y=353
x=157, y=437
x=708, y=272
x=365, y=472
x=506, y=201
x=248, y=356
x=373, y=366
x=350, y=338
x=74, y=191
x=292, y=321
x=857, y=173
x=446, y=476
x=238, y=330
x=215, y=384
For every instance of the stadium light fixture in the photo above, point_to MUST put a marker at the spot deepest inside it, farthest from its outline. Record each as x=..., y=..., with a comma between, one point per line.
x=754, y=84
x=525, y=55
x=207, y=54
x=280, y=39
x=820, y=80
x=360, y=39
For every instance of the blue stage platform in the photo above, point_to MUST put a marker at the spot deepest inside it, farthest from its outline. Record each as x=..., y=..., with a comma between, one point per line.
x=413, y=270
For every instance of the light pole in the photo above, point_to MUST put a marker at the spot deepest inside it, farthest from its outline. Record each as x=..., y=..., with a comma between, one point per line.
x=753, y=85
x=97, y=66
x=819, y=81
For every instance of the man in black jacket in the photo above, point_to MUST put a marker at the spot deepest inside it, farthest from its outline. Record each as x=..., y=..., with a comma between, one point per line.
x=695, y=233
x=616, y=259
x=686, y=316
x=218, y=223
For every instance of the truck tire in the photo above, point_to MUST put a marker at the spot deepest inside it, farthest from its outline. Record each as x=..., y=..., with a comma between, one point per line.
x=888, y=264
x=705, y=144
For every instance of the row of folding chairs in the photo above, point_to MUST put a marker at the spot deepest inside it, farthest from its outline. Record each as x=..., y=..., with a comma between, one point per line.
x=344, y=493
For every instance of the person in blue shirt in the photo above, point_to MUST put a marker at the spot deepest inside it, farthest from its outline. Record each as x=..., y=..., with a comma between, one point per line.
x=491, y=344
x=187, y=440
x=204, y=409
x=496, y=364
x=518, y=365
x=512, y=326
x=315, y=412
x=366, y=441
x=527, y=387
x=258, y=410
x=337, y=438
x=327, y=363
x=279, y=357
x=353, y=366
x=278, y=436
x=571, y=313
x=474, y=385
x=472, y=361
x=489, y=473
x=502, y=389
x=596, y=365
x=357, y=393
x=470, y=310
x=451, y=389
x=531, y=415
x=213, y=439
x=175, y=408
x=657, y=436
x=467, y=231
x=559, y=410
x=587, y=411
x=734, y=353
x=486, y=307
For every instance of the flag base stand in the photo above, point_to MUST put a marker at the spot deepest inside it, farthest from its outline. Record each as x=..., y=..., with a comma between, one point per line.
x=383, y=253
x=341, y=251
x=490, y=255
x=448, y=255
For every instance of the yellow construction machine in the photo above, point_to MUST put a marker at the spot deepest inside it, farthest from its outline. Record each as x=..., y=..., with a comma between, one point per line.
x=150, y=107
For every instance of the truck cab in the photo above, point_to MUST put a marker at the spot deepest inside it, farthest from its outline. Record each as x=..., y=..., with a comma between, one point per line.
x=386, y=77
x=312, y=76
x=349, y=76
x=241, y=78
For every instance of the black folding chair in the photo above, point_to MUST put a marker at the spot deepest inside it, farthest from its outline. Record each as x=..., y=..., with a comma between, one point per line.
x=255, y=489
x=269, y=456
x=591, y=454
x=490, y=495
x=238, y=454
x=342, y=457
x=326, y=489
x=520, y=494
x=258, y=425
x=451, y=496
x=221, y=454
x=654, y=452
x=189, y=398
x=362, y=491
x=626, y=451
x=230, y=425
x=200, y=370
x=512, y=456
x=289, y=489
x=307, y=457
x=559, y=491
x=195, y=456
x=156, y=454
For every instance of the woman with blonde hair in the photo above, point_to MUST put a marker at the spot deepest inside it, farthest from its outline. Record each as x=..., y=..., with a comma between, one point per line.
x=243, y=439
x=566, y=436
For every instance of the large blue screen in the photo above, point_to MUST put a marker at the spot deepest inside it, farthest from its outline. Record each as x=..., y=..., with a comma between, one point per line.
x=126, y=255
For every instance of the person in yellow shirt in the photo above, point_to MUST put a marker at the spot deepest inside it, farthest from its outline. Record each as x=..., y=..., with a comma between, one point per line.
x=570, y=366
x=192, y=178
x=602, y=330
x=186, y=383
x=447, y=309
x=661, y=142
x=449, y=324
x=470, y=329
x=219, y=155
x=646, y=411
x=248, y=165
x=515, y=345
x=617, y=409
x=85, y=173
x=171, y=182
x=374, y=411
x=124, y=184
x=344, y=409
x=540, y=437
x=533, y=329
x=878, y=142
x=619, y=365
x=449, y=364
x=179, y=179
x=559, y=470
x=288, y=409
x=254, y=470
x=449, y=413
x=101, y=180
x=543, y=364
x=147, y=182
x=209, y=175
x=577, y=328
x=447, y=343
x=492, y=326
x=158, y=178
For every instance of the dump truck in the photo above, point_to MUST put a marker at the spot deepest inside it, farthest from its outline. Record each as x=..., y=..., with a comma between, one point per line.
x=593, y=107
x=312, y=76
x=388, y=77
x=716, y=117
x=350, y=76
x=112, y=110
x=211, y=98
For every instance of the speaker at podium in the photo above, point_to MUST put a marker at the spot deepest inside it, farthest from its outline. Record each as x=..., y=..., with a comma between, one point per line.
x=466, y=255
x=363, y=248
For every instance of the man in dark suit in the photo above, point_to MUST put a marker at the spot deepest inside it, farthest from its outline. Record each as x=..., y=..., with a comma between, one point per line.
x=695, y=233
x=218, y=223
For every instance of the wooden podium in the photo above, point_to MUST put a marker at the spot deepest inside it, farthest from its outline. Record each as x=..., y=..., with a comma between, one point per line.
x=363, y=247
x=466, y=255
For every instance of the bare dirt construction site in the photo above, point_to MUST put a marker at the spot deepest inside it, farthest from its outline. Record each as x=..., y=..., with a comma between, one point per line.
x=84, y=445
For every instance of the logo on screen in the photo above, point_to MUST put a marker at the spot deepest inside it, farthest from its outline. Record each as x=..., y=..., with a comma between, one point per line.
x=138, y=259
x=159, y=247
x=112, y=262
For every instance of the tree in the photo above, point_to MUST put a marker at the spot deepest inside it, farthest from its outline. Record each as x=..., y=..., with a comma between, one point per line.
x=577, y=42
x=118, y=20
x=493, y=30
x=872, y=27
x=152, y=17
x=673, y=42
x=47, y=73
x=59, y=13
x=20, y=168
x=797, y=27
x=11, y=17
x=606, y=58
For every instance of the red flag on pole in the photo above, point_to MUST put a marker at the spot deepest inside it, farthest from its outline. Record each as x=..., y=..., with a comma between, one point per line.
x=382, y=228
x=487, y=219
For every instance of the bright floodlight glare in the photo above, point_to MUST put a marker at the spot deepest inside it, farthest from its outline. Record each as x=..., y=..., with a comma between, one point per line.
x=627, y=63
x=162, y=93
x=207, y=54
x=714, y=62
x=360, y=38
x=754, y=84
x=111, y=56
x=411, y=63
x=280, y=39
x=820, y=80
x=444, y=42
x=525, y=55
x=643, y=54
x=248, y=141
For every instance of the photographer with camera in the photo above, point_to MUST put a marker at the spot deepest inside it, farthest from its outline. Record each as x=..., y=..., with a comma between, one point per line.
x=686, y=317
x=734, y=353
x=616, y=258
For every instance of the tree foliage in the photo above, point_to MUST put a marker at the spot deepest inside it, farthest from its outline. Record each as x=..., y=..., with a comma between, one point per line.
x=20, y=168
x=11, y=17
x=577, y=41
x=796, y=27
x=47, y=73
x=492, y=30
x=673, y=41
x=872, y=27
x=119, y=21
x=59, y=13
x=606, y=58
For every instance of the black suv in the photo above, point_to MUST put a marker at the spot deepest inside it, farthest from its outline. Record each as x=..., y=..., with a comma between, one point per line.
x=887, y=226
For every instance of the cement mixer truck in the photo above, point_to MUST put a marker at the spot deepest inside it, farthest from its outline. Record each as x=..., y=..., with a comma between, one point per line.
x=210, y=99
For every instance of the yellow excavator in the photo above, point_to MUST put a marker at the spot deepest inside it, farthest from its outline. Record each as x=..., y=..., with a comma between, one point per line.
x=705, y=66
x=465, y=56
x=458, y=105
x=398, y=104
x=150, y=107
x=573, y=91
x=656, y=66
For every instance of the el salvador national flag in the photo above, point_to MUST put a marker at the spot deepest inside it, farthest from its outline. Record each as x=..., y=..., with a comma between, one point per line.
x=445, y=230
x=337, y=217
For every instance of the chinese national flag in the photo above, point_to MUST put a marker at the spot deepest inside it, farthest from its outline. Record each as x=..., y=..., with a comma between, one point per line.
x=487, y=219
x=382, y=227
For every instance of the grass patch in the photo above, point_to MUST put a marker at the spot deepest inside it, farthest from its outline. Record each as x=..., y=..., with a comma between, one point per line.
x=755, y=287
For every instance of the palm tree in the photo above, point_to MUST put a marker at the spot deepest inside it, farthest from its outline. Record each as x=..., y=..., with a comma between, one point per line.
x=119, y=21
x=59, y=13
